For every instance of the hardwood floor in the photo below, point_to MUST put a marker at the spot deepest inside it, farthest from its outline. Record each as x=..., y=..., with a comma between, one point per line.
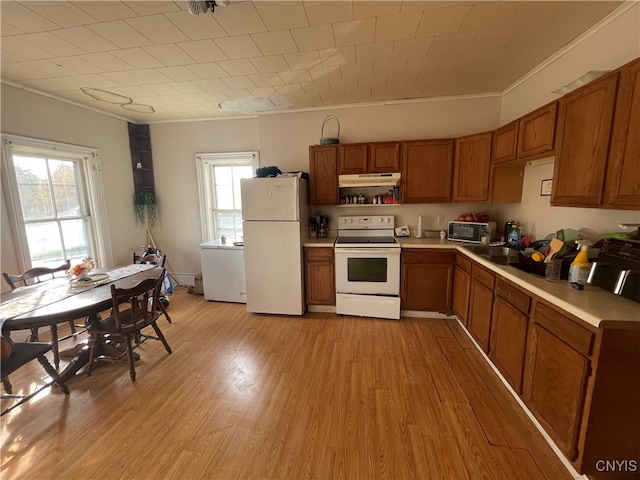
x=262, y=397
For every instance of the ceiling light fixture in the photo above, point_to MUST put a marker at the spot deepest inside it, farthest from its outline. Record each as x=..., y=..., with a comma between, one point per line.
x=105, y=96
x=200, y=7
x=250, y=105
x=138, y=107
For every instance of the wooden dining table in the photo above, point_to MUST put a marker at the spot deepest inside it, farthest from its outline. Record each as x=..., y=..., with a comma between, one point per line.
x=59, y=300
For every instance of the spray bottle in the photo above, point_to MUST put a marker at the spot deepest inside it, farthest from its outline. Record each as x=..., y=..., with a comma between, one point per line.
x=580, y=267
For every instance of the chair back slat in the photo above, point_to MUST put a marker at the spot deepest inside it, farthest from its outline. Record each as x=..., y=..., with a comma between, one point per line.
x=142, y=300
x=34, y=275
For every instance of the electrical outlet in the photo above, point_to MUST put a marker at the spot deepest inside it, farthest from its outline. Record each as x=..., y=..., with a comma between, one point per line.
x=440, y=219
x=243, y=294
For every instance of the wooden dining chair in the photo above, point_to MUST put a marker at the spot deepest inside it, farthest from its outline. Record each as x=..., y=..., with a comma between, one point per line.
x=38, y=275
x=21, y=354
x=134, y=309
x=154, y=259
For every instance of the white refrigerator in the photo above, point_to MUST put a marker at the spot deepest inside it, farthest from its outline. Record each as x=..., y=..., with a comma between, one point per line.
x=275, y=215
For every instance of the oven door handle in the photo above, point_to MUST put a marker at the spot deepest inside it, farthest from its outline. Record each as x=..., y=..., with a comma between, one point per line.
x=367, y=250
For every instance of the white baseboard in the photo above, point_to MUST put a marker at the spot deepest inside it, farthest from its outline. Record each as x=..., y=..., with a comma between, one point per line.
x=322, y=308
x=183, y=279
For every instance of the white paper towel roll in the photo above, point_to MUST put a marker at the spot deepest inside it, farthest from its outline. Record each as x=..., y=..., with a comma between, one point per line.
x=419, y=232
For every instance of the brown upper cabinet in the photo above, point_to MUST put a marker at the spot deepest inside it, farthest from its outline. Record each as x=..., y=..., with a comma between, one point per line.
x=427, y=167
x=471, y=171
x=585, y=119
x=141, y=158
x=505, y=143
x=622, y=184
x=537, y=133
x=378, y=157
x=323, y=178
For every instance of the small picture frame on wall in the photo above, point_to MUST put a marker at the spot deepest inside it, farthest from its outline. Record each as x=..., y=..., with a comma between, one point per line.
x=545, y=187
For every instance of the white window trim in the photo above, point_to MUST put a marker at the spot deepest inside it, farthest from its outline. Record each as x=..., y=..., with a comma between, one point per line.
x=203, y=162
x=96, y=202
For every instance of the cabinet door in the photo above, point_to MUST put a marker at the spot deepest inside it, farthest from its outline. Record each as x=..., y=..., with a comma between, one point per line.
x=585, y=119
x=472, y=168
x=320, y=276
x=427, y=167
x=505, y=144
x=508, y=338
x=384, y=157
x=480, y=308
x=323, y=167
x=537, y=132
x=622, y=185
x=427, y=280
x=554, y=388
x=461, y=288
x=353, y=158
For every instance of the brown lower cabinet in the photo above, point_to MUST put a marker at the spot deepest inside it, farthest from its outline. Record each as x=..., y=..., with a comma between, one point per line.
x=320, y=280
x=427, y=280
x=461, y=287
x=581, y=382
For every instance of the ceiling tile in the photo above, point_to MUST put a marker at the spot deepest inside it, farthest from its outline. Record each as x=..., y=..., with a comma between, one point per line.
x=50, y=68
x=203, y=51
x=241, y=46
x=181, y=74
x=82, y=65
x=442, y=21
x=205, y=70
x=158, y=29
x=197, y=27
x=396, y=27
x=23, y=49
x=210, y=85
x=9, y=30
x=189, y=98
x=240, y=18
x=85, y=39
x=239, y=82
x=105, y=61
x=18, y=71
x=322, y=13
x=354, y=32
x=367, y=9
x=262, y=91
x=325, y=73
x=121, y=33
x=271, y=64
x=374, y=52
x=238, y=67
x=7, y=56
x=94, y=81
x=150, y=76
x=148, y=7
x=337, y=56
x=105, y=11
x=411, y=49
x=138, y=58
x=303, y=60
x=64, y=14
x=266, y=79
x=122, y=78
x=161, y=89
x=274, y=43
x=282, y=15
x=313, y=38
x=298, y=76
x=45, y=85
x=169, y=55
x=488, y=16
x=24, y=19
x=133, y=92
x=52, y=44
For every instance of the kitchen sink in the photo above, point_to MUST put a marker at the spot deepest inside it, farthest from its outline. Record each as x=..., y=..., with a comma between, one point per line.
x=497, y=255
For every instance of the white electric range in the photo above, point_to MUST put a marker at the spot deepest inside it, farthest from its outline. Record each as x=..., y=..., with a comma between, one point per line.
x=367, y=258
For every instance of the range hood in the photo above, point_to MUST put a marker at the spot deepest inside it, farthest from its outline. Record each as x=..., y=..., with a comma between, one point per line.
x=369, y=180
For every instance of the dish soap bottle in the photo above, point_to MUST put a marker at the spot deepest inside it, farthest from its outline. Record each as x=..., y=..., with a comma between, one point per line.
x=580, y=267
x=513, y=237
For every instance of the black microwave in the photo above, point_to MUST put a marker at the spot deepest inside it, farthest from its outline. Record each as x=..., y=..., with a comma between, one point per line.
x=471, y=231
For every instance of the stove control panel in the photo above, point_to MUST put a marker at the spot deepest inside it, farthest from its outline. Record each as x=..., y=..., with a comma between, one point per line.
x=366, y=222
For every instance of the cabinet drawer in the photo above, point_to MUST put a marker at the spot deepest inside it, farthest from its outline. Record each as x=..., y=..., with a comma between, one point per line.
x=515, y=297
x=463, y=262
x=483, y=275
x=316, y=254
x=564, y=328
x=421, y=255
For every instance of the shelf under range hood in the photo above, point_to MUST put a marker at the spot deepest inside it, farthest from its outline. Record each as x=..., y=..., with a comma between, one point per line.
x=369, y=180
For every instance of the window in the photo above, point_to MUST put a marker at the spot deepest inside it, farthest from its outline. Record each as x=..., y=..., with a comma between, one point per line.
x=56, y=202
x=219, y=177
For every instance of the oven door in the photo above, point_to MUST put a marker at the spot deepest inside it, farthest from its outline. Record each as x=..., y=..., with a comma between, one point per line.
x=368, y=270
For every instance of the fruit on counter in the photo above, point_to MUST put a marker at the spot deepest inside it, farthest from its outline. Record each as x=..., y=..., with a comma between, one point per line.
x=537, y=257
x=471, y=217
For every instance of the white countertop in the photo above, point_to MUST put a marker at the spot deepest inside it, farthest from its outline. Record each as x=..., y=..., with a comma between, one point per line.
x=218, y=244
x=320, y=242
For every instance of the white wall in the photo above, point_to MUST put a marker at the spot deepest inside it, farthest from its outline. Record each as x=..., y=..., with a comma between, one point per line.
x=37, y=116
x=608, y=48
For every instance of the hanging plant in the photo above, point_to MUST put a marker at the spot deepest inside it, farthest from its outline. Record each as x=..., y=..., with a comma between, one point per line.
x=146, y=208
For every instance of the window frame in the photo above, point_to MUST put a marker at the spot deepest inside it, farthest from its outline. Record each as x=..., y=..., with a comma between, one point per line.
x=204, y=162
x=91, y=191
